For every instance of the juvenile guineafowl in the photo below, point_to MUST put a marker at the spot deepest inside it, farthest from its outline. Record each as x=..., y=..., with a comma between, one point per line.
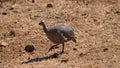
x=58, y=34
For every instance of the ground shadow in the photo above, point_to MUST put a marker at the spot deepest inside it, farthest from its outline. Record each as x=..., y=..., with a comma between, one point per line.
x=55, y=55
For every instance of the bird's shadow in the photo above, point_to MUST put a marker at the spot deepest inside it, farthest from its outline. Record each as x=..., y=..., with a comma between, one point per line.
x=55, y=55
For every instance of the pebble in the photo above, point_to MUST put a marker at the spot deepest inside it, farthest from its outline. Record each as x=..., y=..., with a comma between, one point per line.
x=49, y=5
x=3, y=44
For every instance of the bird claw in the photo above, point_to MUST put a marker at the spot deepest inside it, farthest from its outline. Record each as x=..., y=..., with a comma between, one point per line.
x=61, y=52
x=52, y=47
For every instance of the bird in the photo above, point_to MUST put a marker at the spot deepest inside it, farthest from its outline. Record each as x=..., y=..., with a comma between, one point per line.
x=58, y=34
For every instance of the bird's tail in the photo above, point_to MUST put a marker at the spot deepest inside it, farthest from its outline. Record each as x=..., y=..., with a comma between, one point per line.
x=74, y=40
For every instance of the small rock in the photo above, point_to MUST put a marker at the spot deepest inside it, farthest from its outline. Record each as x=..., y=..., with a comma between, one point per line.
x=49, y=5
x=3, y=44
x=105, y=49
x=4, y=13
x=15, y=11
x=84, y=14
x=33, y=1
x=117, y=12
x=14, y=5
x=20, y=55
x=76, y=44
x=20, y=50
x=28, y=58
x=64, y=60
x=12, y=33
x=11, y=8
x=81, y=54
x=29, y=48
x=74, y=49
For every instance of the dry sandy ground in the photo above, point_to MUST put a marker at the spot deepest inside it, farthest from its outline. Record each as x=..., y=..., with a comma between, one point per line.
x=96, y=24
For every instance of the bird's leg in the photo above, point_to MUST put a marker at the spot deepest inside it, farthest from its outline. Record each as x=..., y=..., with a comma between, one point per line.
x=52, y=47
x=62, y=48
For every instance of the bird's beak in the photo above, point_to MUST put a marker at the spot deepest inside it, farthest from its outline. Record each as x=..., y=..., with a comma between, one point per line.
x=39, y=23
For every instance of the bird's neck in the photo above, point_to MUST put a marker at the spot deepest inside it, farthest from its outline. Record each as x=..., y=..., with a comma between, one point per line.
x=45, y=28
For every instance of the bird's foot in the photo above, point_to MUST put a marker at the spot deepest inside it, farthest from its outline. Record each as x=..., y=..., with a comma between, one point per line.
x=52, y=47
x=62, y=52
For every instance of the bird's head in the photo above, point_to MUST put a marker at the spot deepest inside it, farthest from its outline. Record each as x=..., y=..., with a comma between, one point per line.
x=41, y=22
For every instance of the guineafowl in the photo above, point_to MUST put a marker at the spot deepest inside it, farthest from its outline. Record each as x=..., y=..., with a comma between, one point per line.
x=58, y=34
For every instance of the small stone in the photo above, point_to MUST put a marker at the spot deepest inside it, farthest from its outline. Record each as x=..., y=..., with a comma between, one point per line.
x=84, y=14
x=28, y=58
x=33, y=1
x=49, y=5
x=11, y=8
x=20, y=55
x=105, y=49
x=117, y=12
x=12, y=33
x=4, y=13
x=74, y=49
x=29, y=48
x=3, y=44
x=81, y=54
x=64, y=60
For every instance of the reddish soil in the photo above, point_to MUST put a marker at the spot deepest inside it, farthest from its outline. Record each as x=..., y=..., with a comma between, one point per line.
x=96, y=25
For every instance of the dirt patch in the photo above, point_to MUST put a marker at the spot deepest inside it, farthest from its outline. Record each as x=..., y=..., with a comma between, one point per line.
x=96, y=24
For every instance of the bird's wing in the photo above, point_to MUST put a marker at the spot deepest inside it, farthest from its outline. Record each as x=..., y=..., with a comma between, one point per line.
x=62, y=35
x=68, y=31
